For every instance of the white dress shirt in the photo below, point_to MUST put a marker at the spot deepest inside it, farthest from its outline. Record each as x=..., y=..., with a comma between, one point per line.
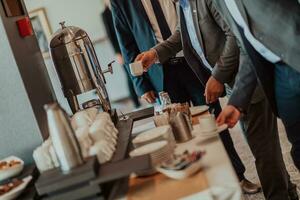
x=188, y=15
x=258, y=46
x=170, y=13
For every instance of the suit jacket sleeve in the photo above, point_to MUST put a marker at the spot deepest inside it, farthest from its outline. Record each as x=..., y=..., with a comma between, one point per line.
x=169, y=47
x=228, y=63
x=129, y=50
x=110, y=29
x=245, y=84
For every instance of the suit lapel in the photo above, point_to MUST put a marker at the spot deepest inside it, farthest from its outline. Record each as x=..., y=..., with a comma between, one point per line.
x=193, y=4
x=142, y=11
x=190, y=54
x=242, y=10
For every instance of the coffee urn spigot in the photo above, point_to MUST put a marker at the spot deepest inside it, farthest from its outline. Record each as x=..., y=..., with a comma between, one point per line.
x=77, y=66
x=63, y=138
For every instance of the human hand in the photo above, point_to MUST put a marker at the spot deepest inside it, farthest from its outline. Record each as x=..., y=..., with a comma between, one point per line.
x=213, y=90
x=148, y=58
x=230, y=115
x=149, y=97
x=119, y=58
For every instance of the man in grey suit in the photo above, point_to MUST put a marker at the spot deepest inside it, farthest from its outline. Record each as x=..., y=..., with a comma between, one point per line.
x=268, y=31
x=209, y=44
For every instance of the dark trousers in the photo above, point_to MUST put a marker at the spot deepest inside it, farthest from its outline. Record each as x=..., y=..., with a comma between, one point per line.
x=183, y=86
x=260, y=129
x=287, y=90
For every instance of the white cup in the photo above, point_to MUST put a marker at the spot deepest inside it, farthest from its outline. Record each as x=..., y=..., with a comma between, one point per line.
x=208, y=123
x=136, y=68
x=81, y=119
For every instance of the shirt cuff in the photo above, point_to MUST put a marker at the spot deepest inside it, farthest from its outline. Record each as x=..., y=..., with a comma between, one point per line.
x=220, y=75
x=156, y=55
x=162, y=56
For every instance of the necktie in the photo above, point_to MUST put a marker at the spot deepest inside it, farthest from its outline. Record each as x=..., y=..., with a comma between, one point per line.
x=161, y=20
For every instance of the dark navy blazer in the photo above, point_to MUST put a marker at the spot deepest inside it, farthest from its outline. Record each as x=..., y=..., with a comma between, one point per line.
x=135, y=35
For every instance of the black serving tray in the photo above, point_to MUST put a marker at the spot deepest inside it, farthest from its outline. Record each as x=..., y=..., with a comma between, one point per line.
x=121, y=169
x=92, y=182
x=83, y=191
x=54, y=181
x=119, y=187
x=141, y=114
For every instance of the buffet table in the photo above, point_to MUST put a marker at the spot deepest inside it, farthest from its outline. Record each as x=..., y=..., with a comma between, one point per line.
x=216, y=180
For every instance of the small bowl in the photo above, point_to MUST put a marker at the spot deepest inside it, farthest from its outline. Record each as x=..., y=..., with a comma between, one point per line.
x=11, y=171
x=14, y=193
x=182, y=174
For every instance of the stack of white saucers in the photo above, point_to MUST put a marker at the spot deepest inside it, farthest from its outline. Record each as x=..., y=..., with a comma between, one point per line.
x=159, y=152
x=155, y=135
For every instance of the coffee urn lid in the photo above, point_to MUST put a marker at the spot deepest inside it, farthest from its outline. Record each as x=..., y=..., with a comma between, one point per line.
x=66, y=34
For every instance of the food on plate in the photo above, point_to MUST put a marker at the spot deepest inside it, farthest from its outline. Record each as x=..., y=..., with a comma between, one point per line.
x=10, y=186
x=9, y=164
x=184, y=160
x=183, y=165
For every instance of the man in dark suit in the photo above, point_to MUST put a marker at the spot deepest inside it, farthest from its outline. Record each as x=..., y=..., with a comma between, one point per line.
x=111, y=34
x=137, y=31
x=268, y=32
x=206, y=38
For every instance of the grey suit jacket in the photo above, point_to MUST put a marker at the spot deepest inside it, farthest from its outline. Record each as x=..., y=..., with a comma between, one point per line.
x=220, y=49
x=276, y=24
x=216, y=39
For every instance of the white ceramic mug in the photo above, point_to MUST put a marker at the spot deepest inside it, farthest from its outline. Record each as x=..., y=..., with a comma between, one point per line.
x=136, y=68
x=208, y=123
x=81, y=119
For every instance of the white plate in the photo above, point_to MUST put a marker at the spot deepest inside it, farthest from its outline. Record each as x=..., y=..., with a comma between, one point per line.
x=198, y=133
x=162, y=154
x=181, y=174
x=14, y=193
x=149, y=148
x=12, y=171
x=152, y=134
x=196, y=110
x=166, y=149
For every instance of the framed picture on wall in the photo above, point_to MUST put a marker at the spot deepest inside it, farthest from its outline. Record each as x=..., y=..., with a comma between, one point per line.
x=42, y=29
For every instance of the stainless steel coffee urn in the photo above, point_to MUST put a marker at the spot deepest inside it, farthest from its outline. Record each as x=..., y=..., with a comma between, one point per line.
x=77, y=66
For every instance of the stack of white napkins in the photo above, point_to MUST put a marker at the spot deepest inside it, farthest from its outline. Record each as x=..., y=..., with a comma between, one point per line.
x=96, y=135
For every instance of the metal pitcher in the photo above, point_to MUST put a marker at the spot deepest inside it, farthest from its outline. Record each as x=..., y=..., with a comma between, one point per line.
x=182, y=127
